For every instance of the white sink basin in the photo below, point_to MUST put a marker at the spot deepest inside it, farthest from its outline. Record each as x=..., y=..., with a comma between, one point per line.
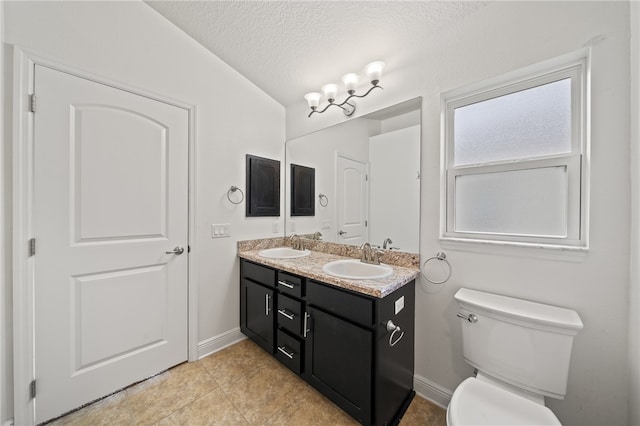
x=283, y=253
x=353, y=269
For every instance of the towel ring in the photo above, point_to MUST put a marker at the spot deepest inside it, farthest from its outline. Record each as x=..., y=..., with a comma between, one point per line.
x=394, y=329
x=442, y=257
x=326, y=200
x=234, y=189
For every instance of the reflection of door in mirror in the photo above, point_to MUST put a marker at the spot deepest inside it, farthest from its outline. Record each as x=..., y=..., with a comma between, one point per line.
x=351, y=200
x=394, y=189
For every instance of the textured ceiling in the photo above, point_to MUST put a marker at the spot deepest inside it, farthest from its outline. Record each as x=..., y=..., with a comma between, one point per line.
x=289, y=48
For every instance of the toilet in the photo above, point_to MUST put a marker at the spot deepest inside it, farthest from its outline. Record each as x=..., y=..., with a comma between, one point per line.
x=521, y=351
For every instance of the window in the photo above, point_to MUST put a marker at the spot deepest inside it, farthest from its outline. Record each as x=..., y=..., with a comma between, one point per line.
x=515, y=164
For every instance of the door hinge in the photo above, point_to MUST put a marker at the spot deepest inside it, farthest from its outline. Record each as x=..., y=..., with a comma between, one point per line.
x=32, y=389
x=188, y=249
x=32, y=247
x=32, y=103
x=366, y=223
x=366, y=178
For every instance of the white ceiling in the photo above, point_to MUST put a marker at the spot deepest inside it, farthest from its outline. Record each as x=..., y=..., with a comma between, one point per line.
x=289, y=48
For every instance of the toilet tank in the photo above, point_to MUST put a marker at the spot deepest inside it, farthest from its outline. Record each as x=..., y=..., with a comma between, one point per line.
x=525, y=344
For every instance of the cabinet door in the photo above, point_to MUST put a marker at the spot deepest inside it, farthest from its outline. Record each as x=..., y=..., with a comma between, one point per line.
x=338, y=362
x=263, y=187
x=257, y=320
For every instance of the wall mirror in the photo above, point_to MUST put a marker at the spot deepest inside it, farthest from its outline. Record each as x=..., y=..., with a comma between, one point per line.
x=367, y=179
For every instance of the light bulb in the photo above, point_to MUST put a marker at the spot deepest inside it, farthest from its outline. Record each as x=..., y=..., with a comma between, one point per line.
x=330, y=91
x=350, y=82
x=313, y=99
x=374, y=71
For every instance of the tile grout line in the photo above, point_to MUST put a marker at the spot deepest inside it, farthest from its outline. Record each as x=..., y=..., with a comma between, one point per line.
x=233, y=404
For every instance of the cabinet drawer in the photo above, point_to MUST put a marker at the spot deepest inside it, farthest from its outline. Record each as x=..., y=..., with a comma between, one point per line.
x=350, y=306
x=258, y=273
x=290, y=284
x=290, y=314
x=288, y=351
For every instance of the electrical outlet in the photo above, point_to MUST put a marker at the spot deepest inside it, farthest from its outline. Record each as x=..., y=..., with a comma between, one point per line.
x=326, y=224
x=293, y=227
x=399, y=305
x=220, y=230
x=275, y=227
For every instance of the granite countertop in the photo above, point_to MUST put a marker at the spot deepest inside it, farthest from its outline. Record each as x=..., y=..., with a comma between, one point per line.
x=311, y=267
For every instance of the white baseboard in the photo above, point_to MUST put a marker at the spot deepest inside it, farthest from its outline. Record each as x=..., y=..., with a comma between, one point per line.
x=221, y=341
x=431, y=391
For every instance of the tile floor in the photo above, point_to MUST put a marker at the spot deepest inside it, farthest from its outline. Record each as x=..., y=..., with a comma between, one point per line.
x=239, y=385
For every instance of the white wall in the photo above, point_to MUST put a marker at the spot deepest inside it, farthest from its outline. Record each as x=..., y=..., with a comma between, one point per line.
x=634, y=289
x=401, y=121
x=394, y=188
x=6, y=382
x=130, y=43
x=502, y=37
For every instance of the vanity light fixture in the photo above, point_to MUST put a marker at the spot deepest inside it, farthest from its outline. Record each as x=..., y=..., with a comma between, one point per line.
x=373, y=71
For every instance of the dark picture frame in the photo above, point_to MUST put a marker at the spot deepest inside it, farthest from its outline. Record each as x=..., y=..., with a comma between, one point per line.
x=263, y=186
x=303, y=187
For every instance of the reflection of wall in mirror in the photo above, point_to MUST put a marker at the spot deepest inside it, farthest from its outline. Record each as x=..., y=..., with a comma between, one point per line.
x=394, y=189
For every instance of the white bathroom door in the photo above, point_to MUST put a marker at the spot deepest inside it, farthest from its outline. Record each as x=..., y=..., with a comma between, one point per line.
x=110, y=198
x=351, y=203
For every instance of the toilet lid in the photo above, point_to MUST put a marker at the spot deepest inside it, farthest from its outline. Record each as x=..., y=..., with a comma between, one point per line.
x=475, y=402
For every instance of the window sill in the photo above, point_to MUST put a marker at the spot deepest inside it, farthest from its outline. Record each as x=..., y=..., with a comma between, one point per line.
x=510, y=248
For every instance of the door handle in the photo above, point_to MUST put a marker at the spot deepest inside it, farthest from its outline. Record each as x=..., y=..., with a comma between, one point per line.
x=341, y=233
x=287, y=315
x=267, y=309
x=177, y=250
x=284, y=350
x=286, y=284
x=305, y=326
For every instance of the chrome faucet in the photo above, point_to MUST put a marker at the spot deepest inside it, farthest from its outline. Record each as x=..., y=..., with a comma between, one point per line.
x=296, y=242
x=386, y=241
x=369, y=255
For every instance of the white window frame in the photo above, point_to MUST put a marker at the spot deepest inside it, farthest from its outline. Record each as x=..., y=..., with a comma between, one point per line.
x=576, y=162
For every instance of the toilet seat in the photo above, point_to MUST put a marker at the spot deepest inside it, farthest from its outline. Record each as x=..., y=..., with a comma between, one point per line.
x=476, y=402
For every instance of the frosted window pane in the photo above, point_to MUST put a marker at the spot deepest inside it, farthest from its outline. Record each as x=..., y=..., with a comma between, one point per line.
x=521, y=202
x=522, y=124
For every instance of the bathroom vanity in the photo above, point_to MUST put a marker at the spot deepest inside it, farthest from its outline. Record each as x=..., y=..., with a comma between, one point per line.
x=352, y=340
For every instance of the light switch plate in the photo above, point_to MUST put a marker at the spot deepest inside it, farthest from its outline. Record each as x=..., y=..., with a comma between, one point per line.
x=220, y=230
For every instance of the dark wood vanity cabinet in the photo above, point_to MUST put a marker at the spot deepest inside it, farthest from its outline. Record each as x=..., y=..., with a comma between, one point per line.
x=257, y=303
x=338, y=341
x=349, y=357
